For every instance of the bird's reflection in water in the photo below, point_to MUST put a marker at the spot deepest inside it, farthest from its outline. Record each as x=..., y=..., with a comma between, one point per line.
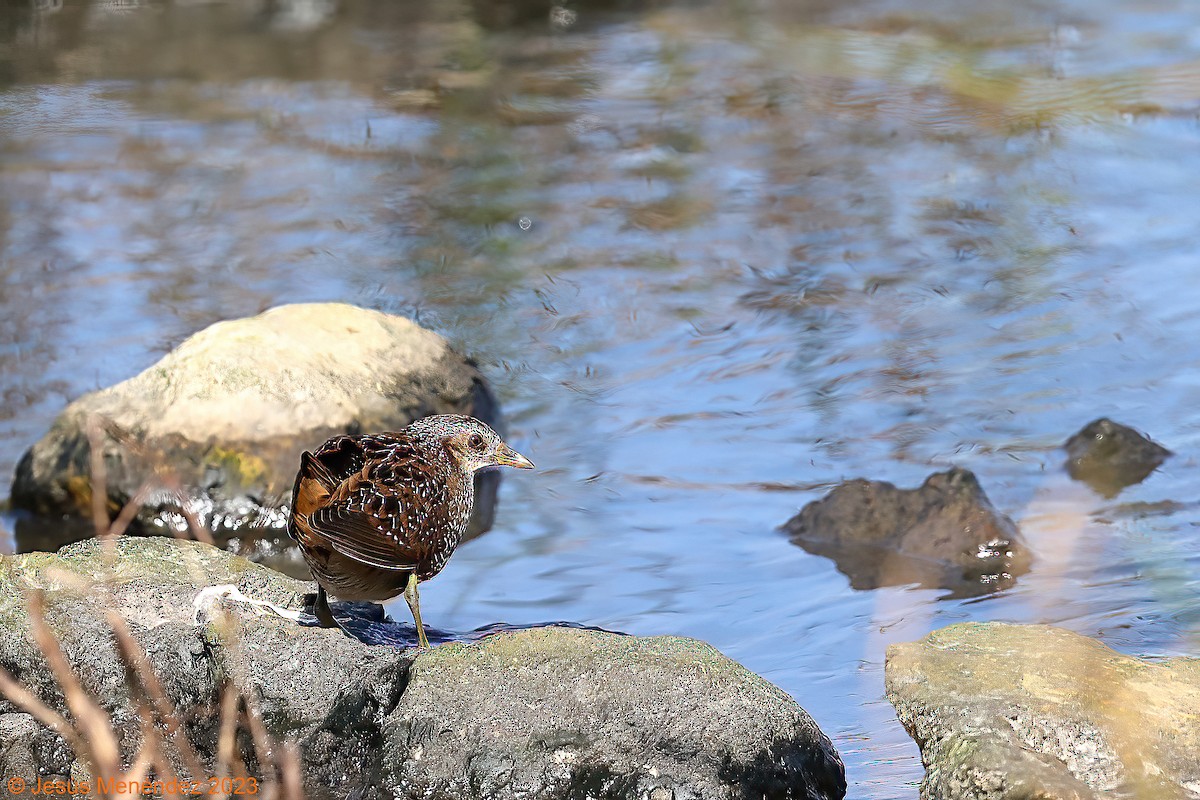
x=370, y=623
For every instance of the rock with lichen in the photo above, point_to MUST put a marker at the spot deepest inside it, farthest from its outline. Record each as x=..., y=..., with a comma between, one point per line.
x=218, y=424
x=544, y=712
x=1006, y=711
x=944, y=534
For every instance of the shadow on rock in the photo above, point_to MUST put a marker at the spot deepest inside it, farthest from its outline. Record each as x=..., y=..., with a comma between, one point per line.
x=771, y=773
x=944, y=535
x=371, y=624
x=1109, y=456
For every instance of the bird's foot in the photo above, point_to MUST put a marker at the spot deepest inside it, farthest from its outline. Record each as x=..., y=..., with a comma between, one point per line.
x=210, y=596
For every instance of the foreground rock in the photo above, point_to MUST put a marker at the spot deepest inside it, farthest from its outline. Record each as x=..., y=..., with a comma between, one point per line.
x=222, y=419
x=946, y=534
x=1014, y=711
x=539, y=713
x=1109, y=456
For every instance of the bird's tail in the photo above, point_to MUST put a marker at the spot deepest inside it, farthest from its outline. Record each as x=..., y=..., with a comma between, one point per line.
x=314, y=484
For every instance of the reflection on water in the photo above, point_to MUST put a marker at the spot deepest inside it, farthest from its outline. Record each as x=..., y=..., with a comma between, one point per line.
x=768, y=247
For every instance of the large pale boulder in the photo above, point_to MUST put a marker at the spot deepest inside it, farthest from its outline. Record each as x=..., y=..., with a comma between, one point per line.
x=219, y=422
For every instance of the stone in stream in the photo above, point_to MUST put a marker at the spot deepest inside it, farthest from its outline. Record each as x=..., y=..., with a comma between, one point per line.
x=1014, y=711
x=1109, y=456
x=222, y=419
x=545, y=712
x=946, y=534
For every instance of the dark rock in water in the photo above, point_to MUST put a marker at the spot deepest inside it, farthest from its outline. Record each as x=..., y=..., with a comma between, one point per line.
x=219, y=423
x=1109, y=456
x=556, y=712
x=943, y=535
x=1013, y=711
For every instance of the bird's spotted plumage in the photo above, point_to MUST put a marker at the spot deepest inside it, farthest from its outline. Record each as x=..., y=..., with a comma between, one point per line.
x=375, y=513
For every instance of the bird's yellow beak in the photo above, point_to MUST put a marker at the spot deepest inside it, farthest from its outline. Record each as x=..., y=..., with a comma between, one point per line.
x=507, y=457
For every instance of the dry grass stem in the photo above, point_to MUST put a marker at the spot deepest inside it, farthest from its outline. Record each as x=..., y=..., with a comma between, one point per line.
x=228, y=756
x=91, y=721
x=88, y=729
x=138, y=665
x=94, y=741
x=26, y=700
x=99, y=475
x=98, y=430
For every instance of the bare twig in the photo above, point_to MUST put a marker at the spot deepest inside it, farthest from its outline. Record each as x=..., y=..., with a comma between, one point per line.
x=227, y=738
x=287, y=784
x=92, y=738
x=198, y=531
x=33, y=705
x=128, y=511
x=92, y=723
x=88, y=729
x=99, y=430
x=99, y=476
x=136, y=663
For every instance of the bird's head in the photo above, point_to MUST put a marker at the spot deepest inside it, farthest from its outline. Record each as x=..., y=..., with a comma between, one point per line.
x=472, y=444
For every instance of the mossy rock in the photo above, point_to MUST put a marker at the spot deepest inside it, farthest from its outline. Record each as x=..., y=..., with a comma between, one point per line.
x=1006, y=711
x=547, y=712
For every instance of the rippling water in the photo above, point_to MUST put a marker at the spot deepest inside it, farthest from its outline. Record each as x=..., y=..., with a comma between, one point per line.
x=714, y=258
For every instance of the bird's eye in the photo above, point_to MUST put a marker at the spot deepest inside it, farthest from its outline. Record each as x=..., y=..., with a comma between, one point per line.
x=476, y=441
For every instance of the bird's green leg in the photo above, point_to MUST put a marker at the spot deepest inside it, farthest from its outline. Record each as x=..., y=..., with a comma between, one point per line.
x=414, y=603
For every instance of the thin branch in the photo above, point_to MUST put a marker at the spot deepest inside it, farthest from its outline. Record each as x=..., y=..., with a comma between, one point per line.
x=33, y=705
x=92, y=722
x=138, y=664
x=227, y=738
x=99, y=475
x=129, y=511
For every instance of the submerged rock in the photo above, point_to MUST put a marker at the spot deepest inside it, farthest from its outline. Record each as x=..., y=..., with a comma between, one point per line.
x=1109, y=456
x=946, y=534
x=221, y=420
x=1009, y=711
x=553, y=712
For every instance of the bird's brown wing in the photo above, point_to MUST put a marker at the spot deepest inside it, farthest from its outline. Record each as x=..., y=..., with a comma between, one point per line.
x=385, y=520
x=346, y=455
x=362, y=537
x=327, y=469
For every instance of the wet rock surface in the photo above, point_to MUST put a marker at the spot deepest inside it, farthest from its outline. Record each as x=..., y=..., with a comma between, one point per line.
x=220, y=421
x=646, y=727
x=1109, y=456
x=1007, y=711
x=548, y=712
x=945, y=534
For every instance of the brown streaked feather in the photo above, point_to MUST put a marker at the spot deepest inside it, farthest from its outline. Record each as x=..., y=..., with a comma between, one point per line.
x=343, y=456
x=359, y=536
